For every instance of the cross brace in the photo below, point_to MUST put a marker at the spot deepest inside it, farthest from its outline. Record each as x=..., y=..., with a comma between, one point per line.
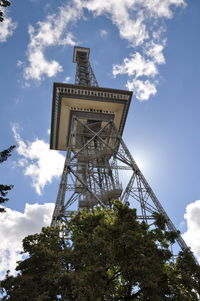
x=91, y=176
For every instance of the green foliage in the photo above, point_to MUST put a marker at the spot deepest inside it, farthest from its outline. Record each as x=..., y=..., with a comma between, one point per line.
x=105, y=255
x=5, y=188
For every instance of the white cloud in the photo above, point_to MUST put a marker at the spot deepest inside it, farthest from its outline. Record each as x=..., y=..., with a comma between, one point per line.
x=163, y=8
x=155, y=52
x=192, y=235
x=103, y=33
x=135, y=20
x=7, y=29
x=26, y=85
x=15, y=226
x=142, y=89
x=131, y=16
x=51, y=32
x=136, y=66
x=67, y=79
x=132, y=29
x=140, y=22
x=38, y=161
x=40, y=66
x=19, y=63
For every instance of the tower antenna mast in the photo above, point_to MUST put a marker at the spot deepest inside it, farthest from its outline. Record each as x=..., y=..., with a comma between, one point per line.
x=87, y=123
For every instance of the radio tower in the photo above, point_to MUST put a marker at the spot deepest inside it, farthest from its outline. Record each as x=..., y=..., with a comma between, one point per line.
x=87, y=123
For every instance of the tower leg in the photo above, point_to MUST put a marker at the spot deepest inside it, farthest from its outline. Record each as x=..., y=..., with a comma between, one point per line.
x=96, y=156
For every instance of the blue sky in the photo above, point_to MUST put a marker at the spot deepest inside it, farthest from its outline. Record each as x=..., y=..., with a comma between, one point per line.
x=150, y=47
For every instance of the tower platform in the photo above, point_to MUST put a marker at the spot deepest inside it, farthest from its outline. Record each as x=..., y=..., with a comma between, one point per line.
x=88, y=104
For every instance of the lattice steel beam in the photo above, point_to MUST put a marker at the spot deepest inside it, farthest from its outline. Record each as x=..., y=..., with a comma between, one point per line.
x=84, y=73
x=97, y=154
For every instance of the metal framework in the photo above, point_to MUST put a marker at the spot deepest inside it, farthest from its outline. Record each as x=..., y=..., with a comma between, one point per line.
x=84, y=73
x=97, y=158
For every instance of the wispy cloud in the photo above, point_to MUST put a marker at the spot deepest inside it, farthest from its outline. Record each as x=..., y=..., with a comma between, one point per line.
x=15, y=226
x=38, y=162
x=50, y=32
x=142, y=89
x=139, y=22
x=67, y=79
x=132, y=29
x=7, y=29
x=154, y=51
x=192, y=235
x=162, y=8
x=136, y=66
x=140, y=70
x=103, y=33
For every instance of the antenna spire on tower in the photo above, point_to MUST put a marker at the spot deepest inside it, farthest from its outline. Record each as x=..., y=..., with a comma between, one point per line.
x=84, y=73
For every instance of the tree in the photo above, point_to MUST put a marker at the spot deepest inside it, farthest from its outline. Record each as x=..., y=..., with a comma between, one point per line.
x=3, y=3
x=5, y=188
x=105, y=255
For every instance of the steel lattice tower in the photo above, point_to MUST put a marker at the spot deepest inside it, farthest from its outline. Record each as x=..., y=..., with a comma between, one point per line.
x=88, y=122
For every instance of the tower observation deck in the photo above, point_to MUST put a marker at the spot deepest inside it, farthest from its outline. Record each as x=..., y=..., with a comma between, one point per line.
x=87, y=122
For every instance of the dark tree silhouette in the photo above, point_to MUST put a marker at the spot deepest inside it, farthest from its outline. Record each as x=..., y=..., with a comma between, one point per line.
x=3, y=3
x=5, y=188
